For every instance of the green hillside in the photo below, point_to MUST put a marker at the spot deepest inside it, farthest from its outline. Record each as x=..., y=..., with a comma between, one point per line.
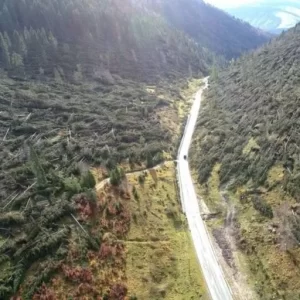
x=51, y=135
x=72, y=39
x=69, y=39
x=88, y=90
x=249, y=126
x=211, y=27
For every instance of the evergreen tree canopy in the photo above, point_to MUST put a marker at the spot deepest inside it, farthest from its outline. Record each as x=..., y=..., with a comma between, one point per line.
x=139, y=40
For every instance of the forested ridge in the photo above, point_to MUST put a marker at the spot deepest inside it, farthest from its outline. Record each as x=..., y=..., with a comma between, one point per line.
x=71, y=39
x=255, y=98
x=211, y=27
x=248, y=137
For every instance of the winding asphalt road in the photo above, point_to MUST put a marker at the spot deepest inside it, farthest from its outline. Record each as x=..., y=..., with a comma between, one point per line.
x=214, y=277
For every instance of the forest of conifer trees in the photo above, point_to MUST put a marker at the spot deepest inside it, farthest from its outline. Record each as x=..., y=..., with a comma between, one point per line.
x=68, y=39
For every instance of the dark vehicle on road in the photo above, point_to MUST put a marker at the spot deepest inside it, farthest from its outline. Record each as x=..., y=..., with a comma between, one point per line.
x=185, y=157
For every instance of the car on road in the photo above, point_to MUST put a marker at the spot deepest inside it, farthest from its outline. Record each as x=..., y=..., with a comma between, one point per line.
x=185, y=157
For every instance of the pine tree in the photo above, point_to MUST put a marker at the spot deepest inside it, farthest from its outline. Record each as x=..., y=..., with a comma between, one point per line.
x=17, y=65
x=88, y=180
x=6, y=21
x=19, y=45
x=52, y=41
x=116, y=176
x=78, y=74
x=150, y=162
x=43, y=37
x=34, y=53
x=4, y=55
x=43, y=46
x=37, y=168
x=7, y=39
x=214, y=73
x=57, y=76
x=26, y=35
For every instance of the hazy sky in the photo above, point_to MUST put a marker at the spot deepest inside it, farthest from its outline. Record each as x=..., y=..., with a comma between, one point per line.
x=230, y=3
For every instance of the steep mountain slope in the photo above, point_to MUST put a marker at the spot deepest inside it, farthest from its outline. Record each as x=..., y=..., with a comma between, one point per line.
x=52, y=134
x=71, y=38
x=88, y=89
x=211, y=27
x=248, y=141
x=75, y=100
x=272, y=16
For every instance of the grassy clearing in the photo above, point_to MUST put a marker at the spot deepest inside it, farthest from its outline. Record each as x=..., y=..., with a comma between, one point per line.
x=251, y=146
x=213, y=195
x=173, y=118
x=188, y=93
x=193, y=87
x=161, y=262
x=273, y=259
x=210, y=191
x=265, y=248
x=275, y=176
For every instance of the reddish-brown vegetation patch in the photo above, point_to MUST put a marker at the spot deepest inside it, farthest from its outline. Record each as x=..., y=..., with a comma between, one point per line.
x=44, y=293
x=103, y=273
x=85, y=207
x=77, y=274
x=114, y=213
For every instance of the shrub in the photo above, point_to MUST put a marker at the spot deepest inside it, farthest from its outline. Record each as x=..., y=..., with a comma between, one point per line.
x=150, y=162
x=141, y=179
x=72, y=186
x=116, y=176
x=262, y=206
x=295, y=226
x=88, y=180
x=135, y=193
x=11, y=218
x=158, y=158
